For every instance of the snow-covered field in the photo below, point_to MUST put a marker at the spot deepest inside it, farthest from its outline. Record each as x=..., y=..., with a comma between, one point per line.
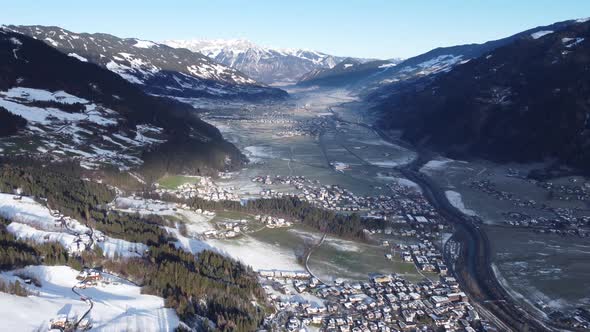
x=196, y=223
x=145, y=206
x=386, y=163
x=119, y=307
x=188, y=243
x=256, y=153
x=456, y=200
x=400, y=181
x=435, y=165
x=334, y=242
x=258, y=254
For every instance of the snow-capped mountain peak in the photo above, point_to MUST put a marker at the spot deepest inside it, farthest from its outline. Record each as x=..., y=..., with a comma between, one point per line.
x=212, y=47
x=265, y=64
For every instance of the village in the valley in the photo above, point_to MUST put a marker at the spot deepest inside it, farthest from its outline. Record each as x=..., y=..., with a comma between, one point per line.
x=382, y=303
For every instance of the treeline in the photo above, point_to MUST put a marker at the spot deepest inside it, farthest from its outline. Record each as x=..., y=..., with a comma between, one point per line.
x=343, y=225
x=72, y=195
x=69, y=108
x=130, y=227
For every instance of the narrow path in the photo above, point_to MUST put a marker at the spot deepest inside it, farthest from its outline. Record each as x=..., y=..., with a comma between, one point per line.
x=317, y=245
x=366, y=163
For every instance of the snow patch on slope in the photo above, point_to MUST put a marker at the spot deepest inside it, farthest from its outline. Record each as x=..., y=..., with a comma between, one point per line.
x=79, y=57
x=539, y=34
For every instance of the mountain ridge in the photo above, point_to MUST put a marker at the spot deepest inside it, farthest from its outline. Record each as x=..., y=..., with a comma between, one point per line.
x=156, y=68
x=79, y=110
x=376, y=85
x=523, y=101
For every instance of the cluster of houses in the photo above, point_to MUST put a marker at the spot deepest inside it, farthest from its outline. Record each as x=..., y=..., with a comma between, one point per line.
x=576, y=191
x=308, y=127
x=81, y=240
x=402, y=205
x=272, y=222
x=227, y=229
x=384, y=303
x=64, y=323
x=489, y=188
x=559, y=220
x=281, y=274
x=424, y=255
x=89, y=278
x=205, y=188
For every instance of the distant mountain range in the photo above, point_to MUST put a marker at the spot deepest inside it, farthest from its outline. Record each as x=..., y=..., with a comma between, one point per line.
x=156, y=68
x=268, y=65
x=522, y=98
x=58, y=107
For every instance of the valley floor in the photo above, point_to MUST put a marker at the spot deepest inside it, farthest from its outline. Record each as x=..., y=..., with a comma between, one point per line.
x=549, y=281
x=318, y=146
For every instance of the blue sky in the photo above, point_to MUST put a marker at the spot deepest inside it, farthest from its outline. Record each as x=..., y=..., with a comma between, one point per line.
x=363, y=28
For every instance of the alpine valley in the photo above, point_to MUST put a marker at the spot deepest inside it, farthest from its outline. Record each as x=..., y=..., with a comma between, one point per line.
x=218, y=185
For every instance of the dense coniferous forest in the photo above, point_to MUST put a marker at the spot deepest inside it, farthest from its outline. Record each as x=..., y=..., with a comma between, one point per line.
x=10, y=123
x=74, y=197
x=130, y=227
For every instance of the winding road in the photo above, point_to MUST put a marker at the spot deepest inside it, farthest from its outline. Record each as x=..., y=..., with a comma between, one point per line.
x=90, y=305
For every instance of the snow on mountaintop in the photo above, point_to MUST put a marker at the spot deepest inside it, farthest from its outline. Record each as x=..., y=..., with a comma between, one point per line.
x=81, y=58
x=213, y=47
x=388, y=65
x=144, y=44
x=265, y=64
x=139, y=58
x=571, y=42
x=30, y=95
